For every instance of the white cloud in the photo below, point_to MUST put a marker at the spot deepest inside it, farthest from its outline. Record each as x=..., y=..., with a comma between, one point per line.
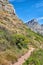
x=38, y=5
x=40, y=18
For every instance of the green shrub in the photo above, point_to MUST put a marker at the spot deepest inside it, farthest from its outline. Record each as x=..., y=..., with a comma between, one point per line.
x=35, y=59
x=20, y=40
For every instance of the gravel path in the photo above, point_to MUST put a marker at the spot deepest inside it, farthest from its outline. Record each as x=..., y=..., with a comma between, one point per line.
x=25, y=57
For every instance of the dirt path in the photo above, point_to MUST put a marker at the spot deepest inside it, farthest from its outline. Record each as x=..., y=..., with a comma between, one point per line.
x=25, y=57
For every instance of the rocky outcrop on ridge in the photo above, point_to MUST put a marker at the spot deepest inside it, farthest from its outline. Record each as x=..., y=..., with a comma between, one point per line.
x=35, y=26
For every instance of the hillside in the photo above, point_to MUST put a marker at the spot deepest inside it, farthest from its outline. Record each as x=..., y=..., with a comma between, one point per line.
x=15, y=36
x=36, y=58
x=35, y=26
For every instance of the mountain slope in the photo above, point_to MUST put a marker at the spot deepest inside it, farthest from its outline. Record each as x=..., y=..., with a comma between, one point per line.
x=35, y=26
x=15, y=37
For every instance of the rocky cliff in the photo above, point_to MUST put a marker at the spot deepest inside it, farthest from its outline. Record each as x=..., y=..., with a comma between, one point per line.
x=35, y=26
x=9, y=18
x=4, y=4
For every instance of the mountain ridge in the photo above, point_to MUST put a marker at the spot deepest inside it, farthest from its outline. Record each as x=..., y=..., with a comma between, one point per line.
x=35, y=26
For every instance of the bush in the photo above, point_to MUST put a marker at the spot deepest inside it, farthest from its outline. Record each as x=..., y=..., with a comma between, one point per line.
x=20, y=40
x=35, y=59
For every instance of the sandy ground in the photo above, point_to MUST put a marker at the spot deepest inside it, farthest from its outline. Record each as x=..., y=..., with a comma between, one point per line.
x=24, y=57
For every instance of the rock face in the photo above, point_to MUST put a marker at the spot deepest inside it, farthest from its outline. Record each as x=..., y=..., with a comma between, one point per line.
x=9, y=8
x=4, y=4
x=8, y=18
x=42, y=26
x=35, y=26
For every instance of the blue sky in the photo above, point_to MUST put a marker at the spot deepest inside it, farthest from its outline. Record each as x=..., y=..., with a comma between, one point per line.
x=28, y=9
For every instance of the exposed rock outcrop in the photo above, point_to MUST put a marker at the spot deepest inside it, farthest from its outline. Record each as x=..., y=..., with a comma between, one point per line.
x=35, y=26
x=4, y=4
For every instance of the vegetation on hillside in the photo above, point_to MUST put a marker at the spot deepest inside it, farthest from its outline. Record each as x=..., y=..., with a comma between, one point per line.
x=36, y=58
x=12, y=46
